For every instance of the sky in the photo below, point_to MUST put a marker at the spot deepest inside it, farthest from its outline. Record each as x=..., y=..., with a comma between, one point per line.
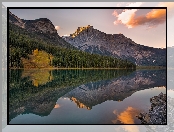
x=143, y=26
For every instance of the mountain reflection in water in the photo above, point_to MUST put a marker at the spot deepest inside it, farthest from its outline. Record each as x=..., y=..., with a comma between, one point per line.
x=38, y=91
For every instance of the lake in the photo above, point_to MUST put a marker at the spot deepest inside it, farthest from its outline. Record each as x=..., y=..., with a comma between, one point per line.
x=81, y=96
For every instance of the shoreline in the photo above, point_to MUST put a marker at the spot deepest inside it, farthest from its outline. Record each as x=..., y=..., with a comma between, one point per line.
x=157, y=113
x=55, y=68
x=150, y=67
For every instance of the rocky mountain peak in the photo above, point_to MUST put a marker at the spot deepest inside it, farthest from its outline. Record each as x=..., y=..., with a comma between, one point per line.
x=79, y=30
x=116, y=45
x=41, y=28
x=42, y=25
x=15, y=20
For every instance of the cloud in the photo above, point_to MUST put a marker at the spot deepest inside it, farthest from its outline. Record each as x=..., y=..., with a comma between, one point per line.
x=127, y=116
x=126, y=15
x=57, y=106
x=57, y=27
x=115, y=13
x=151, y=19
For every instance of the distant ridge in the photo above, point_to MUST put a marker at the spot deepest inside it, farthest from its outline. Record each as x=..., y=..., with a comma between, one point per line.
x=42, y=28
x=116, y=45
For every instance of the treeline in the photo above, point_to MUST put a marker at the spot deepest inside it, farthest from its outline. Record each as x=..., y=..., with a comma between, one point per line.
x=80, y=59
x=22, y=43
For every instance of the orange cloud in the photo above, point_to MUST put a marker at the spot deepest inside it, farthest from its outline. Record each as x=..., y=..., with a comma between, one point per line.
x=126, y=15
x=115, y=13
x=57, y=106
x=57, y=27
x=156, y=13
x=151, y=19
x=127, y=116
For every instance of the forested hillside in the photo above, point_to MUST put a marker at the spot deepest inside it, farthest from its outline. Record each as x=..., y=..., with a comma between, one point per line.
x=23, y=43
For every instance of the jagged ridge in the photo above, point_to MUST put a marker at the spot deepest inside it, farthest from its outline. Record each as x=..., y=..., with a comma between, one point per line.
x=42, y=28
x=116, y=45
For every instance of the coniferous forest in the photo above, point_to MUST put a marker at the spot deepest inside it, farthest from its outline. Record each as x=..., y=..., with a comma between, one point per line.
x=23, y=43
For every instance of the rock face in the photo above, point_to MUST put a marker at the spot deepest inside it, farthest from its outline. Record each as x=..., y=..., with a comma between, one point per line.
x=158, y=112
x=41, y=28
x=42, y=25
x=117, y=45
x=15, y=20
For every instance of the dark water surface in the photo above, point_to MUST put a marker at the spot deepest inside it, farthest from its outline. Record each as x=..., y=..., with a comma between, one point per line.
x=82, y=96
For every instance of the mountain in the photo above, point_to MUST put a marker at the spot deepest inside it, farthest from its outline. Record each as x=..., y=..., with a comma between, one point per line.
x=116, y=45
x=26, y=36
x=41, y=28
x=15, y=20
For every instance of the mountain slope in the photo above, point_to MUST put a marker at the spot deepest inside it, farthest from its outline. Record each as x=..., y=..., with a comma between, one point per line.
x=41, y=28
x=40, y=34
x=116, y=45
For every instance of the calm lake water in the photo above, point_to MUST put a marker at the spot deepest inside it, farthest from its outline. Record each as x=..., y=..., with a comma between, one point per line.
x=82, y=96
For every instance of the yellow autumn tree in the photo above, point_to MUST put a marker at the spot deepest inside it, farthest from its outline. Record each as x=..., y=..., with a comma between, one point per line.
x=35, y=52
